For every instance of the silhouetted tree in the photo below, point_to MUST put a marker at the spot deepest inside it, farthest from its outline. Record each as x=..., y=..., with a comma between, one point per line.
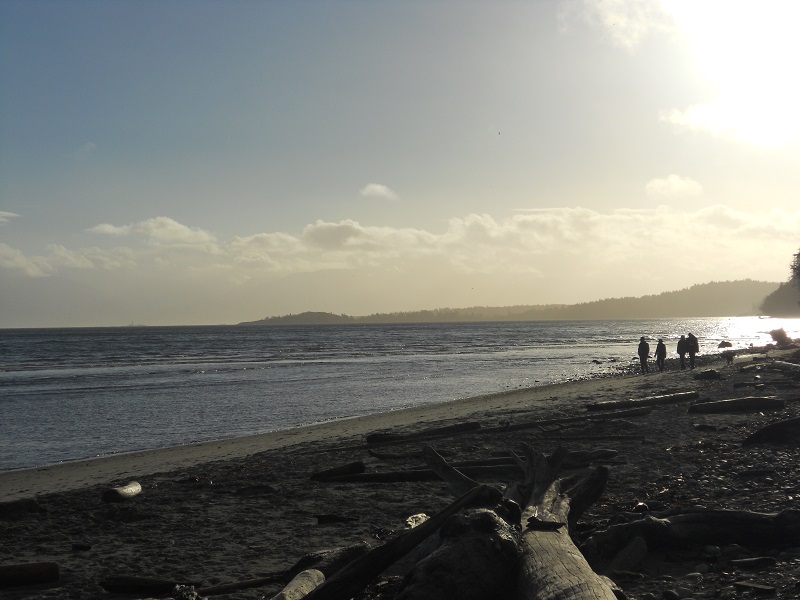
x=795, y=267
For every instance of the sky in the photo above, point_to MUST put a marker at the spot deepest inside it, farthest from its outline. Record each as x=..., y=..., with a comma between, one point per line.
x=209, y=162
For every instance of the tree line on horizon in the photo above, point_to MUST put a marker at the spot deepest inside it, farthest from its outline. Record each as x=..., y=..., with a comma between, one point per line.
x=714, y=299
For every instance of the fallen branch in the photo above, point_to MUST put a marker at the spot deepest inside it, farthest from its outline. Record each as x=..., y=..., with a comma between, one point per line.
x=747, y=404
x=28, y=574
x=782, y=432
x=710, y=526
x=390, y=438
x=353, y=578
x=649, y=401
x=301, y=585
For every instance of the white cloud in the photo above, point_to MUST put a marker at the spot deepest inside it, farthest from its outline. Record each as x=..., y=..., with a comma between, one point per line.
x=626, y=23
x=32, y=266
x=6, y=216
x=377, y=190
x=159, y=230
x=673, y=186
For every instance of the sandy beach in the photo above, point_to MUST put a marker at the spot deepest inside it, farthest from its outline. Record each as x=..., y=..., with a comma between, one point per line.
x=247, y=510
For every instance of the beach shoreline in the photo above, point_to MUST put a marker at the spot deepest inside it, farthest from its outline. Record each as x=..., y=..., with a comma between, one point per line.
x=242, y=509
x=76, y=474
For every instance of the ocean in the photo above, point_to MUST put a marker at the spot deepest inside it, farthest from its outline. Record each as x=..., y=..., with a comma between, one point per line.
x=69, y=394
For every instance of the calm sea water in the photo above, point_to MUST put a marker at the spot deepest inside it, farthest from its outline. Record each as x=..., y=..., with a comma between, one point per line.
x=68, y=394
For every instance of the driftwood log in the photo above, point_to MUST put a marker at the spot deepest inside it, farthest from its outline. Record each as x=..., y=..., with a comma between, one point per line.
x=354, y=577
x=488, y=468
x=28, y=574
x=649, y=401
x=517, y=545
x=301, y=585
x=700, y=526
x=782, y=432
x=747, y=404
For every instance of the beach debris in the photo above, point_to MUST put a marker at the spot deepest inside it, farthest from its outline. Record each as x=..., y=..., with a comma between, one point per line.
x=648, y=401
x=628, y=558
x=132, y=584
x=15, y=509
x=185, y=592
x=348, y=469
x=122, y=493
x=707, y=375
x=300, y=586
x=700, y=526
x=355, y=576
x=725, y=344
x=483, y=546
x=28, y=574
x=782, y=365
x=507, y=467
x=781, y=432
x=331, y=560
x=746, y=404
x=390, y=438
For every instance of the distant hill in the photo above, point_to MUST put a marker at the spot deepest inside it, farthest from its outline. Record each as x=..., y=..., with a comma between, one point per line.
x=783, y=302
x=715, y=299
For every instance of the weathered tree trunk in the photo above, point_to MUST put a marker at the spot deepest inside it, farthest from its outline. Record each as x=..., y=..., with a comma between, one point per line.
x=354, y=577
x=551, y=566
x=782, y=432
x=481, y=558
x=747, y=404
x=28, y=574
x=700, y=527
x=301, y=585
x=649, y=401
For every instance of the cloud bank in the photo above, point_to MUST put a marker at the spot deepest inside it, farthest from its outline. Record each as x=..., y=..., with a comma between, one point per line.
x=559, y=255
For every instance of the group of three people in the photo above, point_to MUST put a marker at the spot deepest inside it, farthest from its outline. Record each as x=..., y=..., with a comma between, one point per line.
x=688, y=344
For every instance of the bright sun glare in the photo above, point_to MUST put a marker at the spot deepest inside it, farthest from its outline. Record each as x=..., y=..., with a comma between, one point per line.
x=746, y=50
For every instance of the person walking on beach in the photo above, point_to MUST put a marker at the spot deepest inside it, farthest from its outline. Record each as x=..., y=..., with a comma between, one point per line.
x=644, y=353
x=683, y=348
x=692, y=347
x=661, y=354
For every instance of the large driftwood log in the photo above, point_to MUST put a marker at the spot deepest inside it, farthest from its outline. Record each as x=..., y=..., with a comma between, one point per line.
x=301, y=585
x=472, y=560
x=551, y=567
x=787, y=367
x=28, y=574
x=782, y=432
x=699, y=527
x=381, y=437
x=354, y=577
x=746, y=404
x=487, y=468
x=649, y=401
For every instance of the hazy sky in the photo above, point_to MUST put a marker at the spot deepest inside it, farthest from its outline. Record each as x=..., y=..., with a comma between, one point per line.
x=177, y=162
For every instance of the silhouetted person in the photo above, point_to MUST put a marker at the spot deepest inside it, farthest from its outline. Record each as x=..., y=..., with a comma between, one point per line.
x=644, y=353
x=692, y=347
x=683, y=348
x=661, y=354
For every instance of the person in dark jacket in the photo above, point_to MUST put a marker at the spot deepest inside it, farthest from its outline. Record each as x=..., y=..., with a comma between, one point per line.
x=692, y=347
x=683, y=348
x=644, y=353
x=661, y=354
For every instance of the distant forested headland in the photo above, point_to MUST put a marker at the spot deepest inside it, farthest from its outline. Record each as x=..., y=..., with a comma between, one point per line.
x=715, y=299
